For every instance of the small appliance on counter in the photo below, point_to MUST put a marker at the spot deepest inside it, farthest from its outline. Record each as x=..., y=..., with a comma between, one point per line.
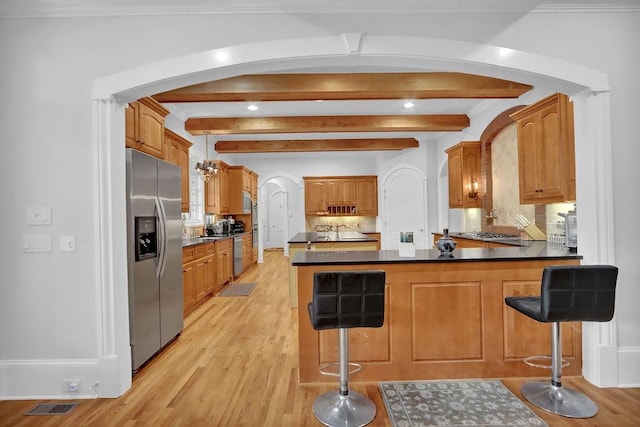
x=570, y=228
x=238, y=227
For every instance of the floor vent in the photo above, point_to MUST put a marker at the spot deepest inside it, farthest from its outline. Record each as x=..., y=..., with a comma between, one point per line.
x=52, y=409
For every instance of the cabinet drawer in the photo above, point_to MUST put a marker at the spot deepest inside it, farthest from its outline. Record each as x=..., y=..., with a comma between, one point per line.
x=200, y=251
x=188, y=254
x=210, y=248
x=224, y=244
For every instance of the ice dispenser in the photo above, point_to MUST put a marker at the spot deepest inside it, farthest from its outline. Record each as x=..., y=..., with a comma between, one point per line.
x=146, y=238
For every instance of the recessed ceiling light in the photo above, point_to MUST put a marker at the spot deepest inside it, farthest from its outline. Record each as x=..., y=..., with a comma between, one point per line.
x=408, y=105
x=252, y=107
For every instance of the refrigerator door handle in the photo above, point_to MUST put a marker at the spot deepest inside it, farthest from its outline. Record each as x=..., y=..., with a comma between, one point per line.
x=162, y=238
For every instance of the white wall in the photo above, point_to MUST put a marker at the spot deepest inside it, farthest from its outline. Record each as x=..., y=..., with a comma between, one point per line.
x=52, y=323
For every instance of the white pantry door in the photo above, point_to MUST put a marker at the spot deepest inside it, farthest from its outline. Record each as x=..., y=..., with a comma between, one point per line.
x=277, y=211
x=405, y=207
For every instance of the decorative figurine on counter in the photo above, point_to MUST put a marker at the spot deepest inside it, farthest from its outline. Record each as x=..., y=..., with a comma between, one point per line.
x=445, y=244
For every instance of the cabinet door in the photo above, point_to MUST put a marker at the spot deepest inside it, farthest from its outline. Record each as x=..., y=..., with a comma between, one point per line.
x=546, y=153
x=210, y=274
x=212, y=195
x=315, y=197
x=220, y=269
x=183, y=161
x=188, y=283
x=150, y=131
x=224, y=190
x=131, y=131
x=200, y=285
x=455, y=178
x=367, y=196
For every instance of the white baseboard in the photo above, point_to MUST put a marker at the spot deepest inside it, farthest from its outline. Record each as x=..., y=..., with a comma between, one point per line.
x=629, y=367
x=44, y=379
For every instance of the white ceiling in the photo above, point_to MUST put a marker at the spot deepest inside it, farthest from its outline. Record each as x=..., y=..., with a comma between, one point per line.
x=471, y=107
x=158, y=7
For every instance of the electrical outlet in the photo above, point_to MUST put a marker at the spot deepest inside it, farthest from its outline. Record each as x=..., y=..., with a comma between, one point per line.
x=71, y=386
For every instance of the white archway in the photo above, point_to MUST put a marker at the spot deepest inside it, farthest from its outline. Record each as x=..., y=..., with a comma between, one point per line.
x=588, y=88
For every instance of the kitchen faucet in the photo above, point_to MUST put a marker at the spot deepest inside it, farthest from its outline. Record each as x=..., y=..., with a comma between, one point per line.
x=337, y=227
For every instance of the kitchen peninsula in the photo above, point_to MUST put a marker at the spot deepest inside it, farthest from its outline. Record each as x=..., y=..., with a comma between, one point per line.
x=325, y=241
x=445, y=317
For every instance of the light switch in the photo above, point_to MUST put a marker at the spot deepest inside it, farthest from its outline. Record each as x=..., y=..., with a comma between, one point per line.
x=39, y=215
x=67, y=243
x=36, y=243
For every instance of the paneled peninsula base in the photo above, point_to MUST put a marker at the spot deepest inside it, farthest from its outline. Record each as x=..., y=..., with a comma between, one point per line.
x=443, y=320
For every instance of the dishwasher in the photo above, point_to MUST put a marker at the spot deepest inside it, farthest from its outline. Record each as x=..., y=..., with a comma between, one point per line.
x=237, y=255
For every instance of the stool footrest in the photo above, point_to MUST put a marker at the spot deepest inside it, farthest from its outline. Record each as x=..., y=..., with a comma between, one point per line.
x=531, y=362
x=324, y=368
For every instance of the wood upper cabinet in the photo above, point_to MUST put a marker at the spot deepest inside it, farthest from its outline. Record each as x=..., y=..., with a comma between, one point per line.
x=546, y=151
x=216, y=194
x=347, y=195
x=177, y=152
x=367, y=196
x=240, y=184
x=341, y=191
x=253, y=187
x=144, y=127
x=315, y=196
x=464, y=170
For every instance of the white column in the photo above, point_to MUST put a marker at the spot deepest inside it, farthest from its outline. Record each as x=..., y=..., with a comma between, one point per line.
x=114, y=352
x=595, y=223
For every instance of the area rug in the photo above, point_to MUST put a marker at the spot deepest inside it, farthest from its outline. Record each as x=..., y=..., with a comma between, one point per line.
x=237, y=290
x=455, y=403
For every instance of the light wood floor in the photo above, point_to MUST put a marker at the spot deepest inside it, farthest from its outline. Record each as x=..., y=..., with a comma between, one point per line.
x=235, y=364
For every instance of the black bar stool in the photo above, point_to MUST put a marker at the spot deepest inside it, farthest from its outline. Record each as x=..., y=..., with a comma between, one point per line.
x=342, y=300
x=568, y=293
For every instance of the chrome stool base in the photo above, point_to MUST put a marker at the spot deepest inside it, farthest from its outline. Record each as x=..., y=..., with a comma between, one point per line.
x=351, y=410
x=559, y=400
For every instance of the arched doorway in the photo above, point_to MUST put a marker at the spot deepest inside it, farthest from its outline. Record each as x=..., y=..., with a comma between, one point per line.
x=592, y=113
x=405, y=206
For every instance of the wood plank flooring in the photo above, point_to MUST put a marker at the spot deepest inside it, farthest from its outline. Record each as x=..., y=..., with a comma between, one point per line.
x=235, y=364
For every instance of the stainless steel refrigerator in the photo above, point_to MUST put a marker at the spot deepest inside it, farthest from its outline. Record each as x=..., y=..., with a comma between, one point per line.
x=154, y=249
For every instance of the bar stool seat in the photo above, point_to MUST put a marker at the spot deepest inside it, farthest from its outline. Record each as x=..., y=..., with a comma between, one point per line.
x=568, y=293
x=343, y=300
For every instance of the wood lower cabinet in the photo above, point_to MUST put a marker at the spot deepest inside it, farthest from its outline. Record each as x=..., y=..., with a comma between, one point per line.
x=546, y=151
x=177, y=152
x=198, y=274
x=188, y=278
x=224, y=261
x=247, y=250
x=441, y=323
x=378, y=237
x=144, y=127
x=464, y=168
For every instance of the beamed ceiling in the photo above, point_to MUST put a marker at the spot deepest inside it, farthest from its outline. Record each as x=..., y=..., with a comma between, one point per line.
x=332, y=111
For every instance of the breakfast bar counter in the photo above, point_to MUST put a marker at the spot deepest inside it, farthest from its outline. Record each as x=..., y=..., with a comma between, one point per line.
x=444, y=317
x=322, y=242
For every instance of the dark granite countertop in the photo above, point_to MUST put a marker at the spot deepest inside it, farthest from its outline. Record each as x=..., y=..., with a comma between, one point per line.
x=532, y=250
x=513, y=241
x=200, y=240
x=330, y=236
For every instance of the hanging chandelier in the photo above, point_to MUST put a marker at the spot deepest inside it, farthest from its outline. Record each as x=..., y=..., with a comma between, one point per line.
x=208, y=167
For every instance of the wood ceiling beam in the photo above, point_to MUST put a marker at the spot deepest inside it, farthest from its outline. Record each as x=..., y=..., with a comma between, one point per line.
x=322, y=124
x=346, y=86
x=313, y=145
